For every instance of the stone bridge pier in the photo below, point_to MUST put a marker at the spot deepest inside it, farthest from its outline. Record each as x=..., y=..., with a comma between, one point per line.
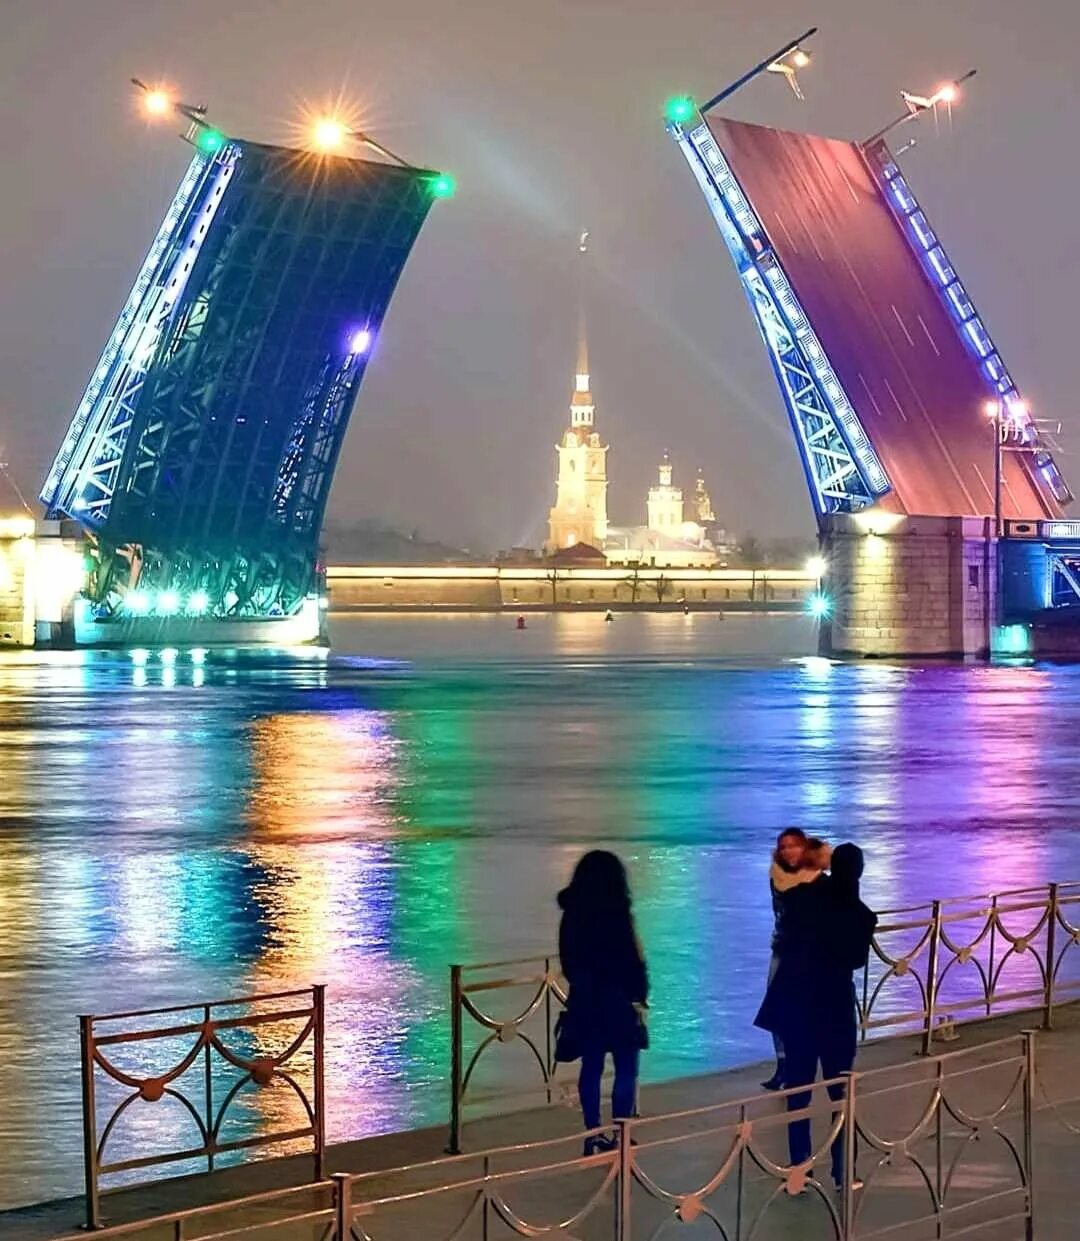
x=921, y=587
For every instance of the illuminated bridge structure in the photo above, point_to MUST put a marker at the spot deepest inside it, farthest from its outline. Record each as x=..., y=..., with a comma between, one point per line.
x=883, y=362
x=200, y=457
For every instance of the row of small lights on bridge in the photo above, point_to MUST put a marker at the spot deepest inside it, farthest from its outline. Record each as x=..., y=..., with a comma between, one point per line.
x=327, y=135
x=167, y=603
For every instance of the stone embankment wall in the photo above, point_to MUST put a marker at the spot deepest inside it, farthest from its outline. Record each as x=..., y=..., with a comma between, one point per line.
x=489, y=587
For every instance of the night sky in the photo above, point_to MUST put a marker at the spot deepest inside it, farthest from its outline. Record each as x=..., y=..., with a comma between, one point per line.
x=549, y=116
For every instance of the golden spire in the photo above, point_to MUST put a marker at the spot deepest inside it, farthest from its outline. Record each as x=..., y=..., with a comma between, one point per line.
x=582, y=342
x=581, y=403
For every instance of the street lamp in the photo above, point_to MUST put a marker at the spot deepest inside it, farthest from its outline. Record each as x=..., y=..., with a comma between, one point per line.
x=159, y=101
x=1009, y=419
x=330, y=134
x=787, y=64
x=915, y=105
x=786, y=60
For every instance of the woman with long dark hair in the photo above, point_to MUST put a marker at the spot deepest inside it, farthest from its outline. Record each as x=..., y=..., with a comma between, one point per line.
x=609, y=987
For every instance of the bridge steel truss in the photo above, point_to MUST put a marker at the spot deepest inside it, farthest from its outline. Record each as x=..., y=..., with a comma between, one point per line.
x=842, y=470
x=200, y=457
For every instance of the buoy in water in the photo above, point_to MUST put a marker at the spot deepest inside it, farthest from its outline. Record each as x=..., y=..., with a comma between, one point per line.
x=521, y=622
x=608, y=617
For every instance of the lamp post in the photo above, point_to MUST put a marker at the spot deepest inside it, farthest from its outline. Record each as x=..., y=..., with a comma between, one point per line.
x=329, y=134
x=786, y=60
x=916, y=105
x=1008, y=418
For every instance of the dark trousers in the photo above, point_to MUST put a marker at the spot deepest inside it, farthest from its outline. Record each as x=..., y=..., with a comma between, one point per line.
x=624, y=1092
x=835, y=1050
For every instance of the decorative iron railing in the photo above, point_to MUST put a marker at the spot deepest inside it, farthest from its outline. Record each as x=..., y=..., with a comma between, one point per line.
x=931, y=967
x=908, y=1133
x=199, y=1058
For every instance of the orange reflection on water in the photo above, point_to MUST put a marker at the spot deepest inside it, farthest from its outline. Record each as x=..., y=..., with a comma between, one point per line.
x=322, y=775
x=321, y=810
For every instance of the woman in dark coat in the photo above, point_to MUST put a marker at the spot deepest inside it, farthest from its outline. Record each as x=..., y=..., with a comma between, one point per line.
x=609, y=987
x=810, y=1002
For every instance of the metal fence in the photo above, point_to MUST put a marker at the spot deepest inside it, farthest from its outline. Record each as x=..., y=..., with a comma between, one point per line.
x=199, y=1059
x=939, y=1146
x=931, y=968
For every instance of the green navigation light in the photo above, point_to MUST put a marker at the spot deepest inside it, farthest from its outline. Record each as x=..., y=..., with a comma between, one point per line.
x=443, y=186
x=210, y=140
x=679, y=109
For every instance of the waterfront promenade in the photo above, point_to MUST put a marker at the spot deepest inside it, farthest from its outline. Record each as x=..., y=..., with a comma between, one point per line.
x=680, y=1155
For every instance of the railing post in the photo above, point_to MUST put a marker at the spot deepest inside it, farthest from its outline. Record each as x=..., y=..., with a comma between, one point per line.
x=993, y=955
x=624, y=1181
x=342, y=1193
x=1051, y=952
x=456, y=1060
x=548, y=1051
x=847, y=1198
x=939, y=1147
x=740, y=1174
x=931, y=978
x=208, y=1068
x=89, y=1110
x=318, y=995
x=1030, y=1069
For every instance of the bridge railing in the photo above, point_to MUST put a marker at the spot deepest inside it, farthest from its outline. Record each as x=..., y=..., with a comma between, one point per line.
x=192, y=1064
x=931, y=968
x=904, y=1130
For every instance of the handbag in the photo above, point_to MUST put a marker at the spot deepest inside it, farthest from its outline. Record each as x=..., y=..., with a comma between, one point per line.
x=567, y=1037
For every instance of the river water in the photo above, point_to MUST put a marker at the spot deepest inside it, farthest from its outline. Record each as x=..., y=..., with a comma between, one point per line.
x=172, y=832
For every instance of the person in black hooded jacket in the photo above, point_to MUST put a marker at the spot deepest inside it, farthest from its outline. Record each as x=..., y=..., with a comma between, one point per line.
x=810, y=1002
x=609, y=987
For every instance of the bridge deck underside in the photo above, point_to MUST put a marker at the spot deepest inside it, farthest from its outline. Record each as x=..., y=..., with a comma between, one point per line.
x=916, y=387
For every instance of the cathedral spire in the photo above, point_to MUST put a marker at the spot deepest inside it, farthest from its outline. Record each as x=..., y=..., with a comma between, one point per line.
x=582, y=341
x=581, y=403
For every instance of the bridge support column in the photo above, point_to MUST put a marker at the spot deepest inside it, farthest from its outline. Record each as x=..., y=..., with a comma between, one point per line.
x=909, y=587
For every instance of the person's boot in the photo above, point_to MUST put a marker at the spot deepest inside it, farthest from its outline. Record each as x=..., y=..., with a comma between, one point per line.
x=599, y=1144
x=776, y=1082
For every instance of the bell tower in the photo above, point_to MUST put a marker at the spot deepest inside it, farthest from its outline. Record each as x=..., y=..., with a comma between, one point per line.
x=665, y=503
x=580, y=511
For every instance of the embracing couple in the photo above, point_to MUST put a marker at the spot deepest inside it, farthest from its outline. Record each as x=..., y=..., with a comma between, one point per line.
x=822, y=936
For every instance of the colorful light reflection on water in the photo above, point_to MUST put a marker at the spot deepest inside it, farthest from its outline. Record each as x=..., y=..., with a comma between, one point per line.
x=182, y=831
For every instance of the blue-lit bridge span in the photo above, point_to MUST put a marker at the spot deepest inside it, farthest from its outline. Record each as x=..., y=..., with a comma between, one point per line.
x=200, y=457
